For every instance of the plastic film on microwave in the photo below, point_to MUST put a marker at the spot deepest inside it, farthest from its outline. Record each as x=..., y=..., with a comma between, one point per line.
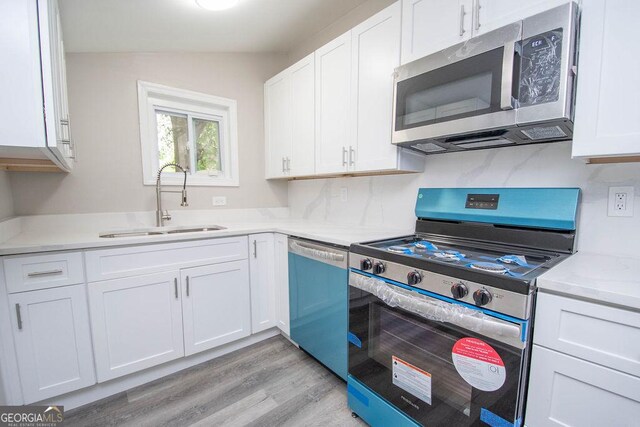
x=438, y=311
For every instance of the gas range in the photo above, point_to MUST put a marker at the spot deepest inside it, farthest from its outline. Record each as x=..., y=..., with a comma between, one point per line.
x=440, y=321
x=470, y=247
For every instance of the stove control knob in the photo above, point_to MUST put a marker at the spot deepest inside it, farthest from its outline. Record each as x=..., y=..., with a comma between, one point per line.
x=366, y=264
x=379, y=268
x=459, y=290
x=482, y=297
x=414, y=277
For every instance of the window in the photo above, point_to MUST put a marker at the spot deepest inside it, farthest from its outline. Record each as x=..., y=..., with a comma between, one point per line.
x=195, y=130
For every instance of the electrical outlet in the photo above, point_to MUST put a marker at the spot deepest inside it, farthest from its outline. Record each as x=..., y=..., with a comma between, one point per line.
x=344, y=194
x=219, y=201
x=620, y=201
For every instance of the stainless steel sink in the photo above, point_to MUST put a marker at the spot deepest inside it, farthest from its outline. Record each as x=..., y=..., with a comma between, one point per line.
x=160, y=231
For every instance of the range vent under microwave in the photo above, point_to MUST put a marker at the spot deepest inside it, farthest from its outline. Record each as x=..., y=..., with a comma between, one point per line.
x=550, y=132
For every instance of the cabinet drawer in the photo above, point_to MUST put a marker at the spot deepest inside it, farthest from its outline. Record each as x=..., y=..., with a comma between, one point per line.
x=566, y=391
x=108, y=264
x=601, y=334
x=30, y=272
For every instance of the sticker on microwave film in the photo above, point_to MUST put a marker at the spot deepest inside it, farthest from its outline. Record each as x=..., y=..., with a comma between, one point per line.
x=479, y=364
x=411, y=379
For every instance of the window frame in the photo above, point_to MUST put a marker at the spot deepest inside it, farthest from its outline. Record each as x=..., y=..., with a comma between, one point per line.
x=153, y=97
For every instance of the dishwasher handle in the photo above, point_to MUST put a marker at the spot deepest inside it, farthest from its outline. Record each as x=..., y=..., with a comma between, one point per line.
x=318, y=252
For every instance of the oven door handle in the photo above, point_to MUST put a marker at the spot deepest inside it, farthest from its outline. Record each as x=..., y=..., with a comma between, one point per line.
x=441, y=311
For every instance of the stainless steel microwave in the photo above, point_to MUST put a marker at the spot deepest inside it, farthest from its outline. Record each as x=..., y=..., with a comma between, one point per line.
x=511, y=86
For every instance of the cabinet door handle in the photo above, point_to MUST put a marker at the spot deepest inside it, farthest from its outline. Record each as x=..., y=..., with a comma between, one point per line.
x=175, y=286
x=462, y=14
x=344, y=156
x=187, y=285
x=477, y=12
x=352, y=156
x=45, y=273
x=255, y=249
x=284, y=162
x=18, y=316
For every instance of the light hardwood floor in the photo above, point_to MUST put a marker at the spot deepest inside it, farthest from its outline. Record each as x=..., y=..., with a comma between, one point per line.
x=271, y=383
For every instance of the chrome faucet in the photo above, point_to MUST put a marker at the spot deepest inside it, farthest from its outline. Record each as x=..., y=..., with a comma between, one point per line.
x=160, y=215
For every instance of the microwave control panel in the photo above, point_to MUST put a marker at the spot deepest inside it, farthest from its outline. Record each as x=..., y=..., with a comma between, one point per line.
x=541, y=68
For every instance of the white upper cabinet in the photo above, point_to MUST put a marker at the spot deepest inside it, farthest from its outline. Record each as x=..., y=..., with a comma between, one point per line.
x=53, y=341
x=290, y=121
x=431, y=25
x=608, y=88
x=492, y=14
x=277, y=93
x=303, y=103
x=375, y=46
x=34, y=117
x=333, y=87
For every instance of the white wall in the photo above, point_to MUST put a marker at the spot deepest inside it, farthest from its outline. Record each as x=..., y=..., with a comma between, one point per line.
x=6, y=196
x=389, y=201
x=104, y=111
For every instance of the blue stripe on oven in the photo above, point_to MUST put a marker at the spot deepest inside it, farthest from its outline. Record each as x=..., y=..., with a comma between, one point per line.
x=511, y=319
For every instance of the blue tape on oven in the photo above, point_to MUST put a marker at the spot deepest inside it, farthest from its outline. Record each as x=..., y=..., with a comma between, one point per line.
x=353, y=339
x=511, y=319
x=494, y=420
x=357, y=394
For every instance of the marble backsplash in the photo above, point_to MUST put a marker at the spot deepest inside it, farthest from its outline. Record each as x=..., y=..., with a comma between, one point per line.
x=390, y=200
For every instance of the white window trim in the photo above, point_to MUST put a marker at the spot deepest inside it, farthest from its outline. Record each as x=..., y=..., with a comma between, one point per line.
x=152, y=96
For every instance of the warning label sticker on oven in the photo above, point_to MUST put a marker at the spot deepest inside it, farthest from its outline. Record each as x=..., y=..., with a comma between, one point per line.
x=412, y=379
x=478, y=364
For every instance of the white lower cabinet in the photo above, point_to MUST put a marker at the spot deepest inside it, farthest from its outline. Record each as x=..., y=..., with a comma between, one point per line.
x=281, y=265
x=567, y=391
x=53, y=341
x=215, y=305
x=263, y=289
x=136, y=323
x=584, y=364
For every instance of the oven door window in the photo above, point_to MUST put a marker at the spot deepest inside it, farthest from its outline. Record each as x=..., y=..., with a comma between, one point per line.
x=466, y=88
x=408, y=360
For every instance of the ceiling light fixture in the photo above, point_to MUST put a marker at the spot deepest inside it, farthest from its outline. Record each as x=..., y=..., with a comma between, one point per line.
x=216, y=4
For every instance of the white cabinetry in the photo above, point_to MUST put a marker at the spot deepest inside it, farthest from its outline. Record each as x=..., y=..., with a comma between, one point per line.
x=281, y=264
x=263, y=287
x=277, y=124
x=333, y=89
x=432, y=25
x=34, y=118
x=584, y=365
x=289, y=121
x=492, y=14
x=607, y=108
x=375, y=53
x=216, y=305
x=52, y=341
x=136, y=323
x=567, y=391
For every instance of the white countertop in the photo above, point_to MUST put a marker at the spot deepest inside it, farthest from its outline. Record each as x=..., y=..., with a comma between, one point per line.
x=62, y=235
x=601, y=278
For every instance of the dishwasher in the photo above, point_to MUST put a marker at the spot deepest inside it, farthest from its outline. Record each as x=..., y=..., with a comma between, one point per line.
x=318, y=303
